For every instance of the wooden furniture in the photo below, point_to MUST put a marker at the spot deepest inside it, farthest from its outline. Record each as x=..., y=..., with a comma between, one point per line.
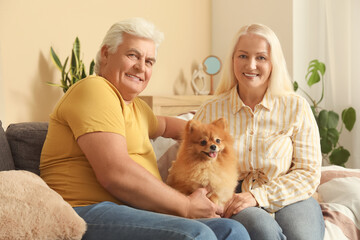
x=175, y=105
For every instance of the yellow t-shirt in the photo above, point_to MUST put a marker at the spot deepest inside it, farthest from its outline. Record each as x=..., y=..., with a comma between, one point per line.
x=92, y=105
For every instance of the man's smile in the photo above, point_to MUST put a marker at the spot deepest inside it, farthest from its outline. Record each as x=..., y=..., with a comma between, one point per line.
x=134, y=77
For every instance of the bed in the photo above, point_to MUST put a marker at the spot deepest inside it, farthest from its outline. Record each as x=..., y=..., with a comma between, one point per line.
x=338, y=190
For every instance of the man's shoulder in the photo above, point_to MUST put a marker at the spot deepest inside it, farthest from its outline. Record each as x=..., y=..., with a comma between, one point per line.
x=92, y=85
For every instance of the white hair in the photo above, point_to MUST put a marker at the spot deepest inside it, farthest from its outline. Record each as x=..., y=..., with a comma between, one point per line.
x=135, y=26
x=279, y=81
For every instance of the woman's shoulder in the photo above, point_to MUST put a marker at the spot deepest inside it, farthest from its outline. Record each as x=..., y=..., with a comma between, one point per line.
x=217, y=99
x=294, y=97
x=295, y=102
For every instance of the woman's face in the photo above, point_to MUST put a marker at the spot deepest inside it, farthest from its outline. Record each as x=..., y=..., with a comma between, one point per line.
x=252, y=63
x=129, y=69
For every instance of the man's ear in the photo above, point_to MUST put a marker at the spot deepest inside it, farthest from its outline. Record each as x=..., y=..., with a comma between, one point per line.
x=104, y=54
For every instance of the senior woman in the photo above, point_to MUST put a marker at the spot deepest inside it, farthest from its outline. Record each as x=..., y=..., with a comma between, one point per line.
x=276, y=139
x=97, y=154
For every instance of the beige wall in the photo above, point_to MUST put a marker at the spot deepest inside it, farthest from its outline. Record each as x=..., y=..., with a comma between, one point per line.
x=229, y=15
x=29, y=28
x=193, y=29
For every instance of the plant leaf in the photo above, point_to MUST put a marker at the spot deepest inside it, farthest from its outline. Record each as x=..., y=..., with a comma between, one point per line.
x=54, y=84
x=333, y=136
x=295, y=85
x=349, y=118
x=323, y=132
x=55, y=59
x=339, y=156
x=73, y=64
x=323, y=119
x=91, y=68
x=314, y=78
x=326, y=145
x=333, y=119
x=83, y=74
x=316, y=71
x=64, y=75
x=313, y=109
x=76, y=48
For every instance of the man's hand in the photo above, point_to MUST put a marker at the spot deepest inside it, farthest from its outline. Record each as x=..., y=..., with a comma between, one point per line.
x=200, y=206
x=239, y=202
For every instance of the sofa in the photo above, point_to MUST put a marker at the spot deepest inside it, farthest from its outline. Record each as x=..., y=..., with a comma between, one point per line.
x=29, y=209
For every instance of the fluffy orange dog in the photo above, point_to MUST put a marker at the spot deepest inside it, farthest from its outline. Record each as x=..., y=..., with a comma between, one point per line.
x=206, y=158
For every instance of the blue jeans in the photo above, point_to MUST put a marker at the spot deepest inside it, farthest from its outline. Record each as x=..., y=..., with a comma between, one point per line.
x=107, y=220
x=301, y=220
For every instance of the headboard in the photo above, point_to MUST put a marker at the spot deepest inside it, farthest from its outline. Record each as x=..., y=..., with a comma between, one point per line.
x=175, y=105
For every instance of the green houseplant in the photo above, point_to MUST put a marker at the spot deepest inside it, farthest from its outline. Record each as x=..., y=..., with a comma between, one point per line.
x=76, y=69
x=328, y=120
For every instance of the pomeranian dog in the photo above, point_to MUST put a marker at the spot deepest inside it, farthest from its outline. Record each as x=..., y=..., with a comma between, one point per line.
x=206, y=159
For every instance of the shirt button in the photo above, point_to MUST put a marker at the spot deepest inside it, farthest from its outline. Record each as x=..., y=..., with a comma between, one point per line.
x=251, y=132
x=250, y=149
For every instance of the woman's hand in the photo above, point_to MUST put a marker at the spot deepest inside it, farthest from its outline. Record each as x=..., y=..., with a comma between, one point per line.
x=239, y=202
x=200, y=206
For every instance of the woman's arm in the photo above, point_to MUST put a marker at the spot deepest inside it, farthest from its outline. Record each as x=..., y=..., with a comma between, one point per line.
x=296, y=182
x=303, y=176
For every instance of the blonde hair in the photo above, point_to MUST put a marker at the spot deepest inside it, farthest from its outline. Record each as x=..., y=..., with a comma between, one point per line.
x=135, y=26
x=279, y=81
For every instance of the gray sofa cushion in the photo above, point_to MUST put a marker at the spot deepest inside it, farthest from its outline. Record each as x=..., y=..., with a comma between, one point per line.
x=26, y=141
x=6, y=160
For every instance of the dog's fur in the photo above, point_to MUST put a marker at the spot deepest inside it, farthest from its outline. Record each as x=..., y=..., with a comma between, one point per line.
x=206, y=158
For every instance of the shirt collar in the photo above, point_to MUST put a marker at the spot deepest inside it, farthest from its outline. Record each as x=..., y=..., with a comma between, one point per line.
x=236, y=102
x=268, y=100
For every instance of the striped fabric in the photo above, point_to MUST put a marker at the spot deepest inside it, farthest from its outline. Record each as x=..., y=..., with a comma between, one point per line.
x=278, y=145
x=339, y=190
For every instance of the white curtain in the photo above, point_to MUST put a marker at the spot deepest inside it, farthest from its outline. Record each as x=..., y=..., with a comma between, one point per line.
x=328, y=30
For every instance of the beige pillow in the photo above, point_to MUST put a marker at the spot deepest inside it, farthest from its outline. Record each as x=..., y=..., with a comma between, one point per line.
x=29, y=209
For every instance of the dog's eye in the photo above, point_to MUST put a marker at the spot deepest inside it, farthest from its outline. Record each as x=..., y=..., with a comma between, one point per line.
x=203, y=142
x=218, y=140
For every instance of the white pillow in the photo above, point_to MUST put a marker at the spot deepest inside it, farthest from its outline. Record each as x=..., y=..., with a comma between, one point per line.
x=166, y=149
x=340, y=202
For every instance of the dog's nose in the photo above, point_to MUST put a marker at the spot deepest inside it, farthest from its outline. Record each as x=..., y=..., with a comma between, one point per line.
x=213, y=147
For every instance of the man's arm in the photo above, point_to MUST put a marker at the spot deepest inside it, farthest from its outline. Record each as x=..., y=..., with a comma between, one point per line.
x=169, y=127
x=134, y=185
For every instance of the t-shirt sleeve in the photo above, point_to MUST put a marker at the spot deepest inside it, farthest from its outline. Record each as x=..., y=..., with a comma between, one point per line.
x=92, y=106
x=148, y=114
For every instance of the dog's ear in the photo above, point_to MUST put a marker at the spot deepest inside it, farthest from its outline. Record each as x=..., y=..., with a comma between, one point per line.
x=191, y=125
x=221, y=123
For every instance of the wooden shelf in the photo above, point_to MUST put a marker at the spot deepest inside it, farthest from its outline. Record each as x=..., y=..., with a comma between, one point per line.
x=175, y=105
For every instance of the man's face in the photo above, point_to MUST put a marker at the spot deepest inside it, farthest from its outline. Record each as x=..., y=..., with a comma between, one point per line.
x=129, y=69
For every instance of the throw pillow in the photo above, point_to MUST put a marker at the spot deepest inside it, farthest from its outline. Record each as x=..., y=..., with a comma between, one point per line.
x=29, y=209
x=26, y=140
x=6, y=160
